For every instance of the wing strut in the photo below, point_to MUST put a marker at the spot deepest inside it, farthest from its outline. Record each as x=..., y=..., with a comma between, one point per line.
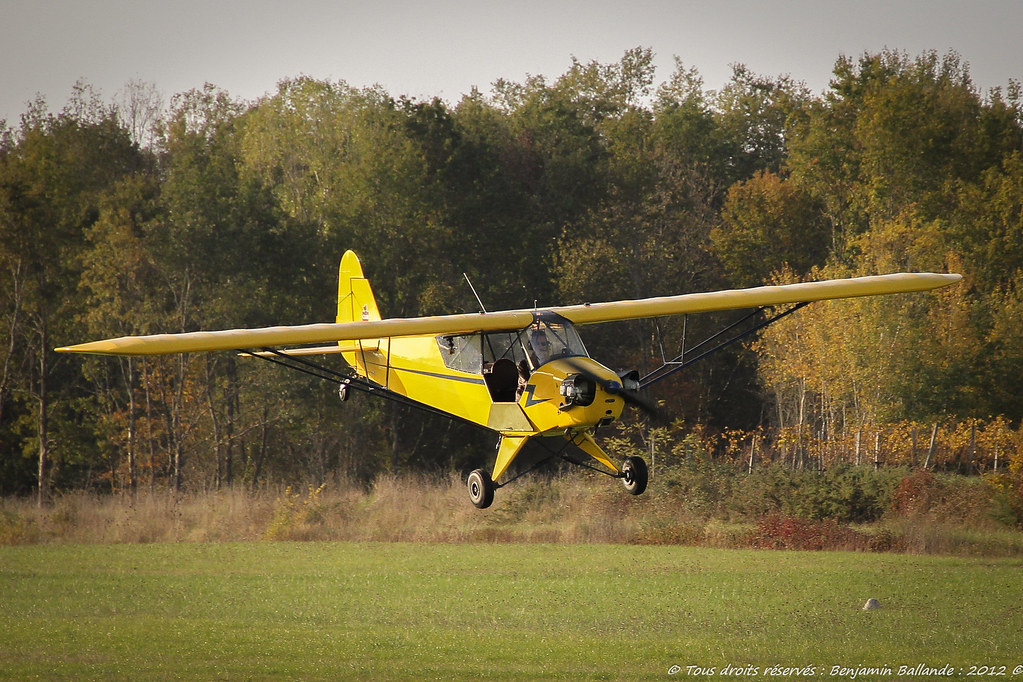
x=678, y=363
x=343, y=379
x=557, y=453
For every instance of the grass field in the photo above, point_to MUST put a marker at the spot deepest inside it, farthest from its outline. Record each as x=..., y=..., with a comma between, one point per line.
x=338, y=610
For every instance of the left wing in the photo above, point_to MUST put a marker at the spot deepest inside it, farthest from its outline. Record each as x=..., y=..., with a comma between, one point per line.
x=588, y=313
x=730, y=299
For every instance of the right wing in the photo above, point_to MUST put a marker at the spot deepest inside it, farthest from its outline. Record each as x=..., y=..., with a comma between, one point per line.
x=244, y=339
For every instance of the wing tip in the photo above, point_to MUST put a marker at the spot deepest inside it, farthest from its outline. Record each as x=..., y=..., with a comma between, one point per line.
x=943, y=279
x=92, y=347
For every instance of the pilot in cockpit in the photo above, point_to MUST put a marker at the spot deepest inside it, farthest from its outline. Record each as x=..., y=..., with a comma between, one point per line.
x=540, y=346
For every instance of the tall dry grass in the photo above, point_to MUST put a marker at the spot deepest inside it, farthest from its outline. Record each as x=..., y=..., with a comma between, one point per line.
x=407, y=508
x=706, y=506
x=161, y=516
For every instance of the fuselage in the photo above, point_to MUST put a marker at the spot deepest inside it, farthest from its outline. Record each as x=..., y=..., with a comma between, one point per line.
x=538, y=380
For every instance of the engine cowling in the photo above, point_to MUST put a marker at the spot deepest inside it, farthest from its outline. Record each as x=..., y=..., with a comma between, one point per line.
x=577, y=390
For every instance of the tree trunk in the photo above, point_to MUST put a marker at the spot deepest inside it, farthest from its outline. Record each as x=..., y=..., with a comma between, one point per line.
x=264, y=439
x=218, y=439
x=175, y=422
x=232, y=412
x=930, y=448
x=132, y=438
x=42, y=425
x=5, y=377
x=150, y=418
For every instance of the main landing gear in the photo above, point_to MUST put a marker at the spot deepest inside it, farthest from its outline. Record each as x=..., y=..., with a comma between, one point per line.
x=633, y=475
x=481, y=489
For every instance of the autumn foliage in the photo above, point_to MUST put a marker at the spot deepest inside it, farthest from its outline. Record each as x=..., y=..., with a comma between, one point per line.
x=600, y=184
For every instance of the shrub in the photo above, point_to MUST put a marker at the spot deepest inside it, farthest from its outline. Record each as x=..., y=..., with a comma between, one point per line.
x=293, y=516
x=847, y=494
x=699, y=488
x=1006, y=498
x=15, y=529
x=786, y=532
x=916, y=493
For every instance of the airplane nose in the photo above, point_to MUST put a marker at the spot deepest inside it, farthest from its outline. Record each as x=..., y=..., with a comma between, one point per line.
x=577, y=390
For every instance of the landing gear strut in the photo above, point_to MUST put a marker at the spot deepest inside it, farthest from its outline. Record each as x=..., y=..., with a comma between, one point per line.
x=633, y=476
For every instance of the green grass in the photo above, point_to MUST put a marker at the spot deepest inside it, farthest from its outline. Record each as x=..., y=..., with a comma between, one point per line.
x=513, y=611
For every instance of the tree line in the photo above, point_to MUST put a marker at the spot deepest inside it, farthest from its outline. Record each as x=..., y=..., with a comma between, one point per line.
x=600, y=184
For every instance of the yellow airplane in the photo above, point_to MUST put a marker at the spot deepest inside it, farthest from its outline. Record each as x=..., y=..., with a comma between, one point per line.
x=522, y=373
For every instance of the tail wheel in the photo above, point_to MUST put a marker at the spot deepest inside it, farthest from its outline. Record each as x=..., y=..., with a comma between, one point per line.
x=481, y=489
x=634, y=475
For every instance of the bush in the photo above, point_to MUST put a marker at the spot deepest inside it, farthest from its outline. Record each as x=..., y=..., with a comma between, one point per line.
x=916, y=493
x=294, y=516
x=700, y=502
x=846, y=493
x=1006, y=498
x=15, y=529
x=785, y=532
x=698, y=488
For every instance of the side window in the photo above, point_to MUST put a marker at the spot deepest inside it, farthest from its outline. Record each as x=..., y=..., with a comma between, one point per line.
x=473, y=353
x=497, y=345
x=462, y=353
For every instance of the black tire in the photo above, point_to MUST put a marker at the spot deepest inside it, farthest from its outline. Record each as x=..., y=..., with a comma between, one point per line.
x=634, y=475
x=481, y=489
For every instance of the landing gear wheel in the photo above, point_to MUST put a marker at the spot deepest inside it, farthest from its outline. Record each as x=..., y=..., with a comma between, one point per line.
x=634, y=475
x=481, y=489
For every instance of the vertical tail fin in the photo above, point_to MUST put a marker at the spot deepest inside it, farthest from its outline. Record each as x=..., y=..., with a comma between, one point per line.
x=355, y=300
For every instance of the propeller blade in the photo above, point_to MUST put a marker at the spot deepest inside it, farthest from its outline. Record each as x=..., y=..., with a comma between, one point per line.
x=632, y=397
x=641, y=401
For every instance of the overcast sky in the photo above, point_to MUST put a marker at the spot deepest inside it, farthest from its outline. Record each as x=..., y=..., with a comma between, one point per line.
x=443, y=48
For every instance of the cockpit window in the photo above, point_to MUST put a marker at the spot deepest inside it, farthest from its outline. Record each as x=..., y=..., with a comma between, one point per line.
x=463, y=353
x=537, y=344
x=551, y=340
x=475, y=352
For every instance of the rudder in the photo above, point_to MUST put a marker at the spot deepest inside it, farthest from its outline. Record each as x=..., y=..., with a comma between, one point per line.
x=355, y=299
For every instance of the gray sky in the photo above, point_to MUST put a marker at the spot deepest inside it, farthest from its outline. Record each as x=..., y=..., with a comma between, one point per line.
x=445, y=47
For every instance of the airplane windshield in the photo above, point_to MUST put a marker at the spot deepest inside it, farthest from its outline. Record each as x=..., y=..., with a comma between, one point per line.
x=548, y=341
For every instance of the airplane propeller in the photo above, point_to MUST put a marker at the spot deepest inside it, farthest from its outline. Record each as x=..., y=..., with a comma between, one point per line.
x=630, y=392
x=627, y=388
